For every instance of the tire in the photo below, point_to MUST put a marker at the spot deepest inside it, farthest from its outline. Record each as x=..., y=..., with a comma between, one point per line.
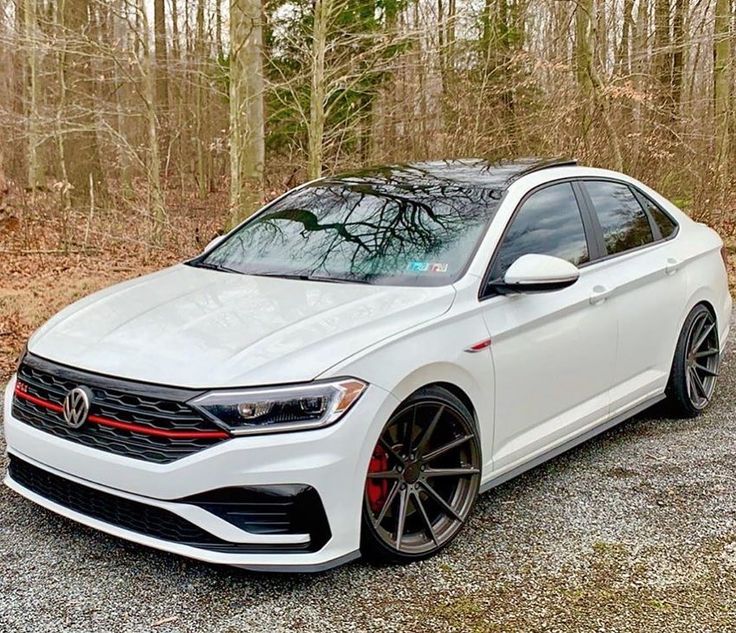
x=695, y=365
x=422, y=480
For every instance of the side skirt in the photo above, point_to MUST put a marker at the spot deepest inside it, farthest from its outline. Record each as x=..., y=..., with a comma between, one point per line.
x=566, y=446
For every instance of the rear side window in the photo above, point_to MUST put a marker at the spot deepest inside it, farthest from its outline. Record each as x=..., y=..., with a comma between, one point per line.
x=623, y=221
x=663, y=221
x=548, y=223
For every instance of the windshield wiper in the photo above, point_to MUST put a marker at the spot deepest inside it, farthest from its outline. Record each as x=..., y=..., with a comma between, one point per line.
x=304, y=277
x=340, y=280
x=219, y=267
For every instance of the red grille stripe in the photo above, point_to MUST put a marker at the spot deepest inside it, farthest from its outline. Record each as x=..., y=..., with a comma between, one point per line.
x=38, y=401
x=126, y=426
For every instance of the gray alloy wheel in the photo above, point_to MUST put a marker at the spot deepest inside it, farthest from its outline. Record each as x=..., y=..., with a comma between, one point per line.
x=423, y=478
x=695, y=367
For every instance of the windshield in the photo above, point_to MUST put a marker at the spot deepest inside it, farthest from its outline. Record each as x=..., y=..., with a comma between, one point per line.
x=362, y=232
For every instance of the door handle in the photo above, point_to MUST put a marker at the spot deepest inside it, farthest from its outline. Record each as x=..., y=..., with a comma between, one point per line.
x=672, y=266
x=599, y=295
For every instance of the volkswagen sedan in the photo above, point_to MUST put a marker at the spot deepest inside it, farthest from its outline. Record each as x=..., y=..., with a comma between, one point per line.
x=347, y=370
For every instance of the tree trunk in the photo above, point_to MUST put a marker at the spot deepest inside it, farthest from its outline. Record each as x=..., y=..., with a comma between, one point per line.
x=450, y=30
x=199, y=109
x=583, y=45
x=639, y=65
x=623, y=63
x=34, y=139
x=218, y=29
x=246, y=109
x=721, y=83
x=3, y=183
x=153, y=166
x=161, y=70
x=601, y=30
x=119, y=35
x=81, y=150
x=175, y=30
x=662, y=58
x=315, y=132
x=678, y=41
x=61, y=107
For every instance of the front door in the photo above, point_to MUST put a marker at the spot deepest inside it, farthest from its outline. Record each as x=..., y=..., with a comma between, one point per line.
x=554, y=352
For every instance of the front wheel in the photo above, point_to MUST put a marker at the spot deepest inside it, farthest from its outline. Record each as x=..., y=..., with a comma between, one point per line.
x=695, y=366
x=422, y=479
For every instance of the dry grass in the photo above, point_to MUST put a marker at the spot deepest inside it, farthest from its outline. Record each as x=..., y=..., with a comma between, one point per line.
x=35, y=287
x=49, y=259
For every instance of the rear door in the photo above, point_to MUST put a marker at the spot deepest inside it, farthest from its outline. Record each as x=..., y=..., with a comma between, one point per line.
x=646, y=291
x=553, y=353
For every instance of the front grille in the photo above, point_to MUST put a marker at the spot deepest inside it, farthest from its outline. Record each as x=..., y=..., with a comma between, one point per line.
x=155, y=409
x=289, y=509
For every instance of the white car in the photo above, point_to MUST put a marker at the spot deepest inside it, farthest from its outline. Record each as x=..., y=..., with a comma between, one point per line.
x=345, y=371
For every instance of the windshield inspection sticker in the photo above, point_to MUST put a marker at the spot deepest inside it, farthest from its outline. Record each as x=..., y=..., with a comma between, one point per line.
x=427, y=267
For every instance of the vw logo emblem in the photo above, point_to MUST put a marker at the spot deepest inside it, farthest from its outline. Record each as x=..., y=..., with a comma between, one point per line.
x=76, y=407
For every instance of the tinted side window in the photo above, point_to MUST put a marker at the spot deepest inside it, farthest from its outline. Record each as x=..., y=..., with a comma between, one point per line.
x=548, y=223
x=624, y=223
x=663, y=221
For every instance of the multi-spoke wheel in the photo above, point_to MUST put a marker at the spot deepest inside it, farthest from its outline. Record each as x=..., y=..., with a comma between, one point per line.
x=695, y=366
x=422, y=479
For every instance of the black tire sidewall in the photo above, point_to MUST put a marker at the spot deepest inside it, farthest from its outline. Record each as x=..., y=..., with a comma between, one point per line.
x=676, y=391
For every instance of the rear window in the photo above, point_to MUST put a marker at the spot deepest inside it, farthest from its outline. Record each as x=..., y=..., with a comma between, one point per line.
x=624, y=223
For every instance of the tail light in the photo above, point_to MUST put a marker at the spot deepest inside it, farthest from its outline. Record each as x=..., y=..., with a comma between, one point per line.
x=724, y=256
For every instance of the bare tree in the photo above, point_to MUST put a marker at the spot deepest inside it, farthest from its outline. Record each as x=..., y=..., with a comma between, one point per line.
x=81, y=148
x=247, y=143
x=316, y=130
x=159, y=26
x=721, y=79
x=34, y=139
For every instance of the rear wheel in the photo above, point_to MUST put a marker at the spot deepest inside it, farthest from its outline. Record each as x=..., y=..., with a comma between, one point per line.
x=695, y=366
x=422, y=479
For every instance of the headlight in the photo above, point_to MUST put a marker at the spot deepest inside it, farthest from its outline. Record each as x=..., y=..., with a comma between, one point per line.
x=280, y=409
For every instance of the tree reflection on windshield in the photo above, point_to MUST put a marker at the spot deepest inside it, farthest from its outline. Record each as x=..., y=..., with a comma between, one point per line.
x=400, y=226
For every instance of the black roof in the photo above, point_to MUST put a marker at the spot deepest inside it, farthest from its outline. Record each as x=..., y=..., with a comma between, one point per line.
x=468, y=172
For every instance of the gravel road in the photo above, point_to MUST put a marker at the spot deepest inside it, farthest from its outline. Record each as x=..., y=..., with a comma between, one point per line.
x=633, y=531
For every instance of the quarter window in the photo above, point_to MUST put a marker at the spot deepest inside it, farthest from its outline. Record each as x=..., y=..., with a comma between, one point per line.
x=548, y=223
x=663, y=221
x=623, y=221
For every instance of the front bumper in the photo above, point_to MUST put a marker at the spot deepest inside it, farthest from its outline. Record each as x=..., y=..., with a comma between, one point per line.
x=333, y=461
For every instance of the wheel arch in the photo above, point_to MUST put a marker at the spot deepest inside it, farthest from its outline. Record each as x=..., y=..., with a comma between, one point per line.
x=459, y=393
x=457, y=380
x=711, y=308
x=464, y=386
x=700, y=297
x=450, y=387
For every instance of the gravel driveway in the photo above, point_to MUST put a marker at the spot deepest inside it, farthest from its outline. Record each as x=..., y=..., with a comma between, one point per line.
x=633, y=531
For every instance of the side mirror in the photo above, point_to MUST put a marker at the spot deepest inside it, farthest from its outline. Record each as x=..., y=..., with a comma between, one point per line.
x=213, y=243
x=538, y=273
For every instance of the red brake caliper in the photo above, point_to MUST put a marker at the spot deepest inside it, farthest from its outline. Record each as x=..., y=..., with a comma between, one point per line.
x=377, y=489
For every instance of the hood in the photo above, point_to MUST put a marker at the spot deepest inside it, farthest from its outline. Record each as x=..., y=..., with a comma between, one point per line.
x=201, y=328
